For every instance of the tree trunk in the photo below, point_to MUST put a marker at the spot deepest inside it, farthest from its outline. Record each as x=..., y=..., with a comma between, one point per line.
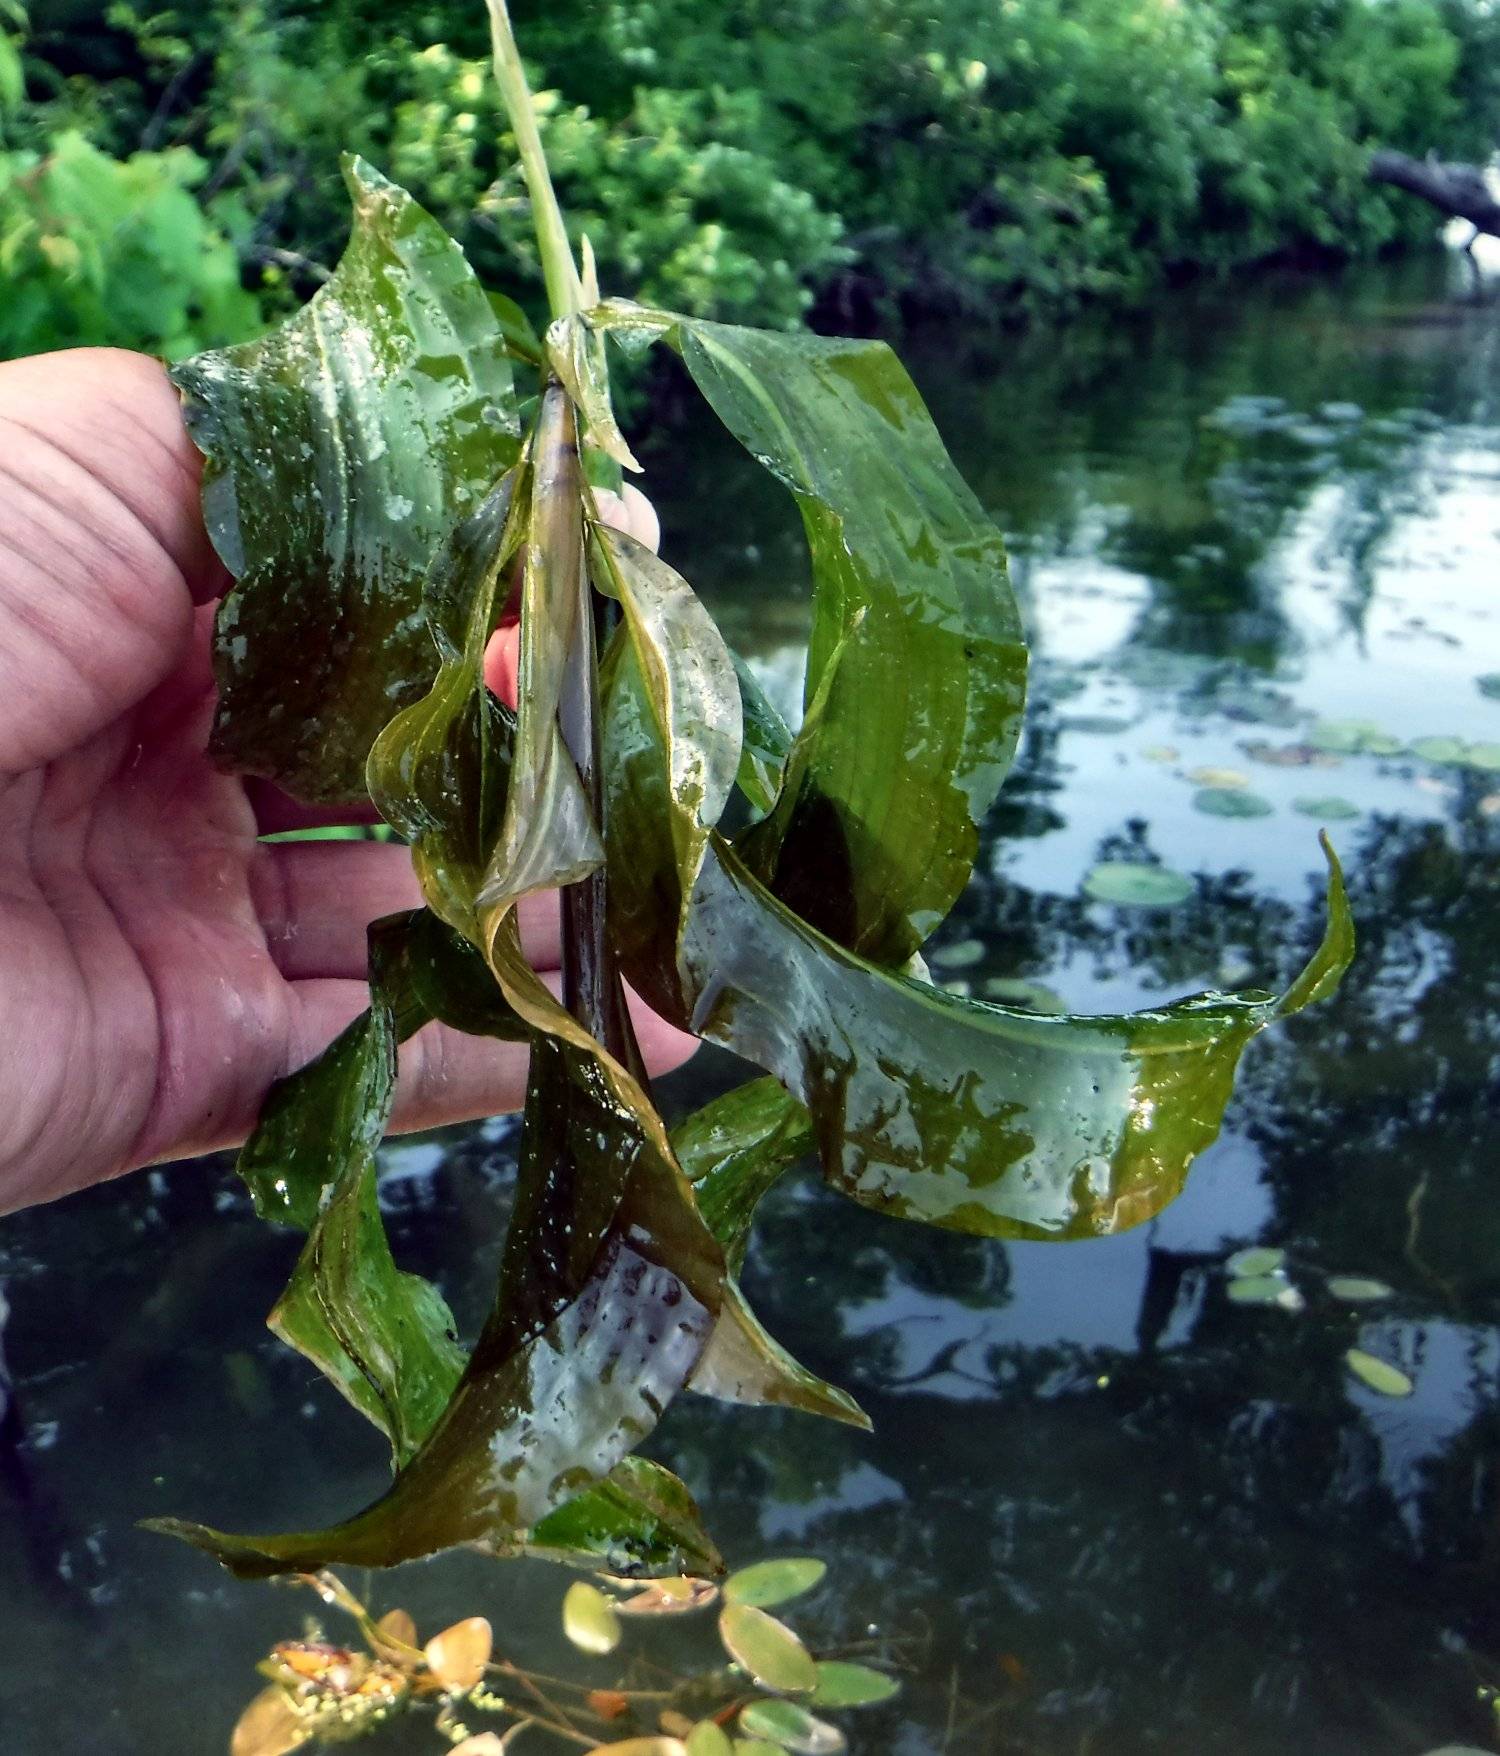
x=1458, y=190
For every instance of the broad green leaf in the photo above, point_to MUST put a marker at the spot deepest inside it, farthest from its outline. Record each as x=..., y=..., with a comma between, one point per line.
x=439, y=771
x=339, y=450
x=589, y=1618
x=640, y=1518
x=1380, y=1375
x=734, y=1149
x=1264, y=1289
x=921, y=717
x=1128, y=885
x=790, y=1725
x=847, y=1685
x=769, y=1583
x=708, y=1739
x=768, y=1649
x=766, y=742
x=521, y=339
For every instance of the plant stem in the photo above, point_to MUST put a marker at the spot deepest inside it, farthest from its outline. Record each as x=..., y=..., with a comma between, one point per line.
x=564, y=290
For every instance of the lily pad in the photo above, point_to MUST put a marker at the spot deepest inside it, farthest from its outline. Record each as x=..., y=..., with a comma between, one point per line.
x=1015, y=991
x=1355, y=1290
x=1439, y=749
x=767, y=1649
x=1231, y=778
x=1265, y=1289
x=589, y=1618
x=962, y=954
x=1380, y=1375
x=1226, y=802
x=705, y=1739
x=848, y=1685
x=1129, y=885
x=1346, y=737
x=1259, y=1259
x=1330, y=808
x=768, y=1583
x=1486, y=756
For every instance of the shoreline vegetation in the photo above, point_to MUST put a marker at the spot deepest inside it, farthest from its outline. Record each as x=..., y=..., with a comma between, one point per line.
x=169, y=180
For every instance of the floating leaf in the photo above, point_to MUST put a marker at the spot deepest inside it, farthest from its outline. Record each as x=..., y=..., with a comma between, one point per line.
x=1029, y=996
x=708, y=1739
x=458, y=1656
x=1128, y=885
x=1231, y=778
x=670, y=1597
x=1329, y=807
x=767, y=1649
x=961, y=954
x=1161, y=753
x=1355, y=1290
x=269, y=1726
x=848, y=1685
x=1227, y=802
x=1259, y=1259
x=792, y=1727
x=396, y=1635
x=757, y=1747
x=768, y=1583
x=1444, y=750
x=339, y=449
x=589, y=1618
x=1485, y=756
x=1378, y=1374
x=1264, y=1289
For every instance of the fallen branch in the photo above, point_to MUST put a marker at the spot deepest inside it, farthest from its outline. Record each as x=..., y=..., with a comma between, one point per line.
x=1461, y=191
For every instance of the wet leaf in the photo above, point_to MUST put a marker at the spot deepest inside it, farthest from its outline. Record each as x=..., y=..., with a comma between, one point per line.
x=640, y=1516
x=458, y=1656
x=269, y=1726
x=339, y=449
x=768, y=1583
x=589, y=1618
x=765, y=745
x=708, y=1739
x=735, y=1149
x=1258, y=1259
x=1330, y=808
x=848, y=1685
x=767, y=1649
x=1485, y=756
x=1226, y=802
x=1355, y=1290
x=876, y=839
x=1133, y=886
x=576, y=354
x=792, y=1727
x=1378, y=1374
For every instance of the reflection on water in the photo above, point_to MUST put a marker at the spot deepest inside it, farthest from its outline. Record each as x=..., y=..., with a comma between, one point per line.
x=1109, y=1508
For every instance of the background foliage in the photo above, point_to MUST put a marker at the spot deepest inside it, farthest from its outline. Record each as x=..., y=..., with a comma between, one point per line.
x=169, y=179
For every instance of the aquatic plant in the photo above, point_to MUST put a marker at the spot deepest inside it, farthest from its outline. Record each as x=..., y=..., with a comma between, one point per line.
x=377, y=471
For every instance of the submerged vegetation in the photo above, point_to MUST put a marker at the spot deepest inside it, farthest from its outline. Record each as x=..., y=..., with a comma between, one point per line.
x=731, y=162
x=380, y=471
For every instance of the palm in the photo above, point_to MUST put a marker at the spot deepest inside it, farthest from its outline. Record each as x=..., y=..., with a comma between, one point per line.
x=159, y=964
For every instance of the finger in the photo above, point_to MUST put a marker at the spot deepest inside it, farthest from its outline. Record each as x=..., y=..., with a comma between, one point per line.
x=448, y=1077
x=502, y=664
x=315, y=899
x=631, y=512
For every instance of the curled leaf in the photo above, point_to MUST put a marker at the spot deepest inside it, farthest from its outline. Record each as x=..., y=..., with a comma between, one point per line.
x=790, y=1725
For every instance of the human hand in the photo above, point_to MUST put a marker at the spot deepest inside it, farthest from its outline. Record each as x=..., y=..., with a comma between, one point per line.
x=160, y=965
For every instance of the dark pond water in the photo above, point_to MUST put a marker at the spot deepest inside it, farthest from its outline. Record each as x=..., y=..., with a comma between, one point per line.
x=1104, y=1508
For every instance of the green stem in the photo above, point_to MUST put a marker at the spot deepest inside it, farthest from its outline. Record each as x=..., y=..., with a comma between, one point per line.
x=564, y=290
